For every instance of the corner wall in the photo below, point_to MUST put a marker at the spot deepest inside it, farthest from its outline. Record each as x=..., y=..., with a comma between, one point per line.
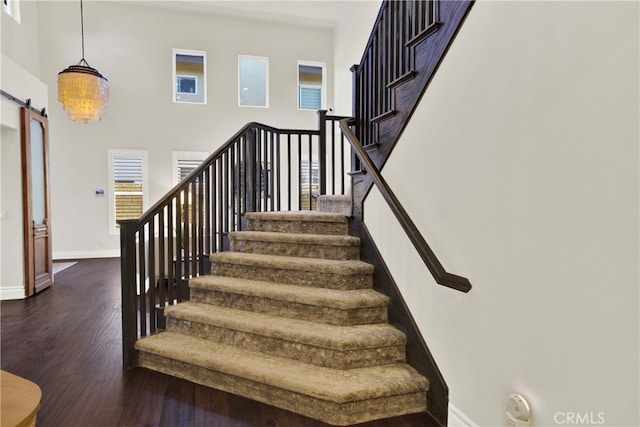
x=520, y=167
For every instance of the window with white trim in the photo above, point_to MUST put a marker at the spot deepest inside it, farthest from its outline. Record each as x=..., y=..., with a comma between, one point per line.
x=311, y=85
x=12, y=8
x=128, y=185
x=189, y=76
x=253, y=81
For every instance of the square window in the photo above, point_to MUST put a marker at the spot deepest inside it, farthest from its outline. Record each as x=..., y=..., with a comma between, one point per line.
x=253, y=81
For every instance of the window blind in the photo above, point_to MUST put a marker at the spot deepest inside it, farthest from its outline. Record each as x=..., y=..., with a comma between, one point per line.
x=127, y=169
x=186, y=166
x=310, y=97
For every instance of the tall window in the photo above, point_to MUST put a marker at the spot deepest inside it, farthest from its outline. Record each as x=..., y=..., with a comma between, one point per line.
x=128, y=185
x=311, y=85
x=253, y=81
x=189, y=76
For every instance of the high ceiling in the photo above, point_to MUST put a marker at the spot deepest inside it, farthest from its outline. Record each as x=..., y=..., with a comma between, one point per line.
x=318, y=13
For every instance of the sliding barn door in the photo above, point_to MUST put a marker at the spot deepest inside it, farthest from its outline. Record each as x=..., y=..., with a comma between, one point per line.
x=35, y=190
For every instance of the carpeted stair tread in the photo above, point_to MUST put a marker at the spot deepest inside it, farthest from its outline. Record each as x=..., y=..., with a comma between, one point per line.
x=323, y=246
x=334, y=298
x=323, y=305
x=345, y=267
x=323, y=383
x=289, y=317
x=307, y=222
x=303, y=239
x=305, y=216
x=340, y=338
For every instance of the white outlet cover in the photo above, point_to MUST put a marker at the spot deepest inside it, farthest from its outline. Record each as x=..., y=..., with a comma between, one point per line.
x=517, y=407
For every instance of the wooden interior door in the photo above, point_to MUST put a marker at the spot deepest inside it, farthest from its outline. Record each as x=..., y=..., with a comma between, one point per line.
x=36, y=206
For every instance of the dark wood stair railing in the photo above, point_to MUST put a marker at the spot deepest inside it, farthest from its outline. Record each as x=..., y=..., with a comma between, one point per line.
x=407, y=44
x=259, y=169
x=389, y=61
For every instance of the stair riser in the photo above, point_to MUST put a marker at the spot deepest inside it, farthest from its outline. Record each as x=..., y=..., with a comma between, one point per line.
x=296, y=249
x=293, y=277
x=302, y=227
x=326, y=357
x=292, y=310
x=339, y=414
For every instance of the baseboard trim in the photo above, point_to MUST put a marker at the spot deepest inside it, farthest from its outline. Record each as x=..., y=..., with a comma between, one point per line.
x=458, y=419
x=11, y=292
x=106, y=253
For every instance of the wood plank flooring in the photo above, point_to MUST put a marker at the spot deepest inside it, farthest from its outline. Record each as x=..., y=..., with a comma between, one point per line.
x=67, y=339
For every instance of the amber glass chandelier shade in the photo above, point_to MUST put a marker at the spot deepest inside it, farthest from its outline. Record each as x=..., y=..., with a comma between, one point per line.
x=83, y=92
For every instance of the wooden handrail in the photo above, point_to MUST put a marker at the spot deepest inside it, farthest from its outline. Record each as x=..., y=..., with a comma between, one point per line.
x=438, y=272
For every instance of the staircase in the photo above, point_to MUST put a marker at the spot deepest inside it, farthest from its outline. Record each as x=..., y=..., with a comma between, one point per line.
x=288, y=317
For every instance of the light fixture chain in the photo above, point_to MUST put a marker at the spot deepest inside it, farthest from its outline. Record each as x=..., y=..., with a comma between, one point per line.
x=82, y=29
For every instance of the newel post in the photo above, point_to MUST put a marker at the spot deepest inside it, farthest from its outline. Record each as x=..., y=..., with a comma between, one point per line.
x=322, y=150
x=128, y=283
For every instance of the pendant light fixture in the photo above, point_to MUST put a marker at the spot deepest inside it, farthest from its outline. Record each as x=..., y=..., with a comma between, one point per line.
x=83, y=91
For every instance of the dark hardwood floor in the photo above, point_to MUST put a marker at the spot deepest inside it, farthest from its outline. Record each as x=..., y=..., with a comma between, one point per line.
x=67, y=340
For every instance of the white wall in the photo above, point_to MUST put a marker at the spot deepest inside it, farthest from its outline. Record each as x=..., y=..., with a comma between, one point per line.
x=350, y=39
x=11, y=223
x=131, y=45
x=520, y=167
x=20, y=40
x=19, y=71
